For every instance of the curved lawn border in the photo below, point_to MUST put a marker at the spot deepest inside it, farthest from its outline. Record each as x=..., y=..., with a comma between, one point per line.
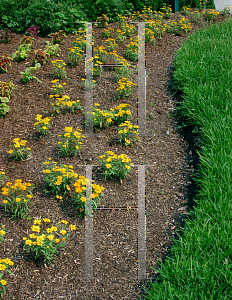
x=200, y=266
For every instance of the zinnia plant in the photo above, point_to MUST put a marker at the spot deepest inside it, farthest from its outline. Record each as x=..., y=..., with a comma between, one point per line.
x=64, y=103
x=43, y=125
x=127, y=133
x=115, y=166
x=18, y=151
x=75, y=55
x=58, y=177
x=79, y=195
x=16, y=197
x=2, y=177
x=4, y=264
x=59, y=68
x=2, y=233
x=44, y=241
x=71, y=141
x=125, y=88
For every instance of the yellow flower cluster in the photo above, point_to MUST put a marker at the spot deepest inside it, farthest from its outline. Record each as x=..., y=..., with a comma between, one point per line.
x=12, y=188
x=111, y=44
x=126, y=130
x=64, y=102
x=80, y=187
x=42, y=124
x=17, y=147
x=39, y=240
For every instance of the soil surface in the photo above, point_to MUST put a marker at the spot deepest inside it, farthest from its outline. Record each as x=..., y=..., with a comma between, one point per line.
x=168, y=154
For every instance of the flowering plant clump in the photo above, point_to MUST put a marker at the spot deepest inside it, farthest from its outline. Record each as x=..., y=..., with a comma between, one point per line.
x=180, y=27
x=106, y=32
x=57, y=37
x=120, y=36
x=18, y=151
x=97, y=68
x=4, y=61
x=59, y=69
x=80, y=42
x=101, y=118
x=45, y=240
x=71, y=141
x=127, y=29
x=33, y=31
x=121, y=72
x=6, y=36
x=131, y=51
x=2, y=233
x=121, y=113
x=58, y=178
x=167, y=11
x=186, y=10
x=64, y=103
x=16, y=197
x=226, y=10
x=211, y=14
x=127, y=131
x=2, y=177
x=125, y=88
x=156, y=27
x=121, y=19
x=40, y=57
x=58, y=88
x=43, y=125
x=4, y=263
x=149, y=35
x=100, y=53
x=79, y=194
x=75, y=55
x=115, y=166
x=196, y=15
x=111, y=44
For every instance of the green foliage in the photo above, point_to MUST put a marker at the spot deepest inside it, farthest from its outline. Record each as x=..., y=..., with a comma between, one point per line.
x=4, y=108
x=54, y=15
x=28, y=74
x=195, y=4
x=22, y=52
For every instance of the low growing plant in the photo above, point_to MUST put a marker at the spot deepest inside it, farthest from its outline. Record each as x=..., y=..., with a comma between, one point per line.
x=2, y=233
x=6, y=36
x=45, y=241
x=22, y=52
x=59, y=69
x=64, y=103
x=121, y=113
x=40, y=57
x=58, y=177
x=3, y=177
x=18, y=151
x=16, y=197
x=131, y=51
x=26, y=40
x=52, y=49
x=79, y=194
x=33, y=31
x=125, y=88
x=4, y=61
x=71, y=141
x=111, y=44
x=115, y=166
x=75, y=55
x=57, y=37
x=4, y=108
x=6, y=89
x=4, y=264
x=58, y=88
x=28, y=74
x=128, y=133
x=43, y=125
x=101, y=118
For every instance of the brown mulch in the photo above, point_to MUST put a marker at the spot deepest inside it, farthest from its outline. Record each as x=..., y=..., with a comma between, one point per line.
x=168, y=153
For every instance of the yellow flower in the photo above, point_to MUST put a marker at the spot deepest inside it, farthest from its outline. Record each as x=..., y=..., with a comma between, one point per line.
x=28, y=242
x=3, y=282
x=57, y=240
x=36, y=221
x=29, y=196
x=2, y=267
x=108, y=166
x=64, y=221
x=72, y=227
x=2, y=232
x=63, y=231
x=35, y=228
x=128, y=167
x=50, y=237
x=10, y=151
x=18, y=199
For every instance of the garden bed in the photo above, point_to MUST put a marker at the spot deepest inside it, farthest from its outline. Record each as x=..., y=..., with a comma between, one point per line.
x=163, y=150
